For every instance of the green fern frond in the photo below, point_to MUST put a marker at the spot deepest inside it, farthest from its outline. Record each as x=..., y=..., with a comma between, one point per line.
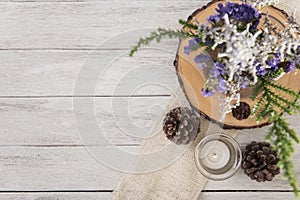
x=281, y=88
x=157, y=36
x=188, y=24
x=281, y=103
x=280, y=133
x=275, y=74
x=258, y=88
x=259, y=105
x=282, y=138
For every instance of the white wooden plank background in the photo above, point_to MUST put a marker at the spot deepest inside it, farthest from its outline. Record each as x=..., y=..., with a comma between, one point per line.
x=43, y=45
x=108, y=196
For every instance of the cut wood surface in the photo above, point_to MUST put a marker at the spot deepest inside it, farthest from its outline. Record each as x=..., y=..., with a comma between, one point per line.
x=193, y=79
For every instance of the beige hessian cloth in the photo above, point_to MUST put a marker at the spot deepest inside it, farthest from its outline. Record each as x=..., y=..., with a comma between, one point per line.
x=181, y=180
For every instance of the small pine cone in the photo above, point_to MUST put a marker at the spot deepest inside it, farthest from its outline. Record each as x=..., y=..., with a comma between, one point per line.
x=181, y=125
x=260, y=162
x=242, y=111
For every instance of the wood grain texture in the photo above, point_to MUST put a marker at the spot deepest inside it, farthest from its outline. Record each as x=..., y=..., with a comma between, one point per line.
x=108, y=196
x=35, y=168
x=192, y=79
x=83, y=25
x=50, y=121
x=247, y=195
x=54, y=73
x=57, y=196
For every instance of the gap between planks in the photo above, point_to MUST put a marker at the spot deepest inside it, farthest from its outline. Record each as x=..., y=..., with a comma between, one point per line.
x=109, y=191
x=65, y=49
x=82, y=96
x=68, y=145
x=81, y=1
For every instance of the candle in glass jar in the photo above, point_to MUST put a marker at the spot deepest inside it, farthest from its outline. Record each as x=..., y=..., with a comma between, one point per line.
x=215, y=155
x=218, y=156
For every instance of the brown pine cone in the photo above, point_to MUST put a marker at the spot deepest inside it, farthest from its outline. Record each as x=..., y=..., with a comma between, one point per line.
x=260, y=162
x=181, y=125
x=242, y=111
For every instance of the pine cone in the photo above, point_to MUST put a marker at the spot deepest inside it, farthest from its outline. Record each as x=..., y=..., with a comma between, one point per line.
x=242, y=111
x=181, y=125
x=260, y=162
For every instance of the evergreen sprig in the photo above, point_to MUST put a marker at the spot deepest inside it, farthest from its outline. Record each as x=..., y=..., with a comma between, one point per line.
x=282, y=137
x=272, y=105
x=188, y=24
x=157, y=36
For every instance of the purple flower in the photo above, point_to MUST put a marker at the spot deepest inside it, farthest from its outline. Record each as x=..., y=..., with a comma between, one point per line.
x=187, y=50
x=273, y=63
x=245, y=82
x=260, y=71
x=244, y=86
x=240, y=12
x=288, y=66
x=207, y=93
x=201, y=65
x=213, y=18
x=298, y=50
x=222, y=87
x=192, y=43
x=254, y=25
x=208, y=42
x=202, y=58
x=217, y=70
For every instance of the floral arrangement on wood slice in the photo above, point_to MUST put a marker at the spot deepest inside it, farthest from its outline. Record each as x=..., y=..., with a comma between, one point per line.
x=248, y=51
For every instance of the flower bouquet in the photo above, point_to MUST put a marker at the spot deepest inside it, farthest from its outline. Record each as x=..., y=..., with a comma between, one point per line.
x=241, y=59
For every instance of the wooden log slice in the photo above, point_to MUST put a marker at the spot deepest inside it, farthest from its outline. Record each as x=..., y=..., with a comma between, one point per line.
x=193, y=79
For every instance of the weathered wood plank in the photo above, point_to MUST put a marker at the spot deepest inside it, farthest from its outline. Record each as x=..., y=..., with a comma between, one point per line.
x=57, y=196
x=54, y=73
x=108, y=196
x=246, y=196
x=73, y=168
x=50, y=121
x=38, y=122
x=81, y=25
x=85, y=24
x=74, y=1
x=35, y=168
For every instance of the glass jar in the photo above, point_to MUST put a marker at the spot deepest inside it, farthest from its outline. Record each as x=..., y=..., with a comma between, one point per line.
x=218, y=156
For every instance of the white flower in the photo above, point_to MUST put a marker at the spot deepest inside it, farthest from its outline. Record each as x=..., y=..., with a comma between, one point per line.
x=262, y=3
x=243, y=52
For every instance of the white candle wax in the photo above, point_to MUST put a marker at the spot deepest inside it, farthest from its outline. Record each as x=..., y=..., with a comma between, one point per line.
x=215, y=155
